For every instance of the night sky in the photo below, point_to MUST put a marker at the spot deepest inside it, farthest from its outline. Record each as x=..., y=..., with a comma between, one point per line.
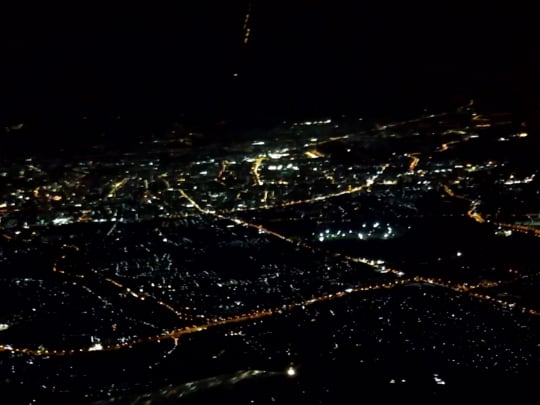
x=302, y=57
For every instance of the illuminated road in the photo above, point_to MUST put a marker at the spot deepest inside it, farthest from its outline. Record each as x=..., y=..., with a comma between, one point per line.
x=445, y=146
x=222, y=170
x=350, y=190
x=530, y=230
x=175, y=334
x=117, y=186
x=255, y=171
x=472, y=212
x=414, y=161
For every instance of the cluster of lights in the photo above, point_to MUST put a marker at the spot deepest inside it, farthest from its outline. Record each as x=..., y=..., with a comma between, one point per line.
x=375, y=232
x=310, y=123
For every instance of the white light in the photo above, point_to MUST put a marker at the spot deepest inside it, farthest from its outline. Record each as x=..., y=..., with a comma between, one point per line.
x=459, y=254
x=96, y=347
x=60, y=221
x=291, y=371
x=438, y=380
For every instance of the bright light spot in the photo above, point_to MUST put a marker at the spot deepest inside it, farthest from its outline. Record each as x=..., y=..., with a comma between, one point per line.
x=522, y=134
x=459, y=254
x=96, y=347
x=60, y=221
x=438, y=380
x=3, y=326
x=277, y=155
x=165, y=240
x=291, y=371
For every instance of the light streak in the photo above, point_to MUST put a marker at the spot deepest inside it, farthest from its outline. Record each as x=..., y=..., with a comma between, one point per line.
x=471, y=213
x=222, y=170
x=246, y=28
x=414, y=161
x=314, y=154
x=177, y=333
x=255, y=171
x=117, y=186
x=520, y=228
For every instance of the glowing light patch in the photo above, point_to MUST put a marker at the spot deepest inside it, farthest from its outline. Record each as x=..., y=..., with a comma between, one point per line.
x=96, y=347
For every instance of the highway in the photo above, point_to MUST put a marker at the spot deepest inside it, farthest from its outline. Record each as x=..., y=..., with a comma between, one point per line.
x=472, y=212
x=530, y=230
x=175, y=334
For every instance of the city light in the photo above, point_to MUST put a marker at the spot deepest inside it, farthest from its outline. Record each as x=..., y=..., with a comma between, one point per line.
x=290, y=229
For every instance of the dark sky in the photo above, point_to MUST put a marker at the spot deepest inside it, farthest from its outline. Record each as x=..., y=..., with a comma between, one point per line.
x=303, y=56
